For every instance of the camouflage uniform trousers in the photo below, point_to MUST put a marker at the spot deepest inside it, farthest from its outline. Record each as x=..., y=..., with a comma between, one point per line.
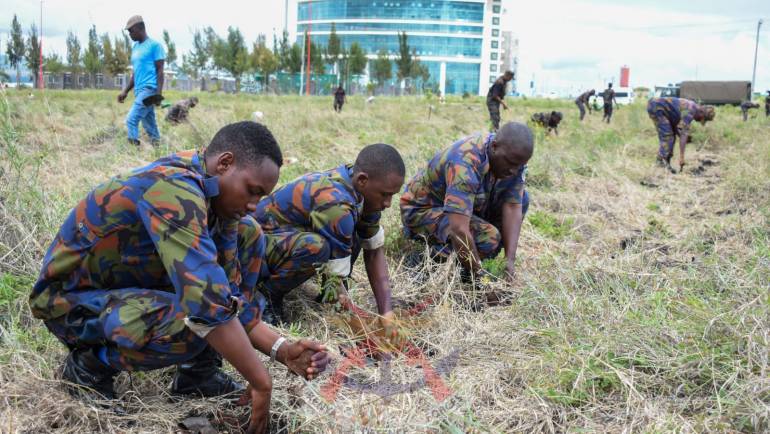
x=608, y=111
x=293, y=257
x=582, y=108
x=494, y=113
x=665, y=130
x=139, y=329
x=432, y=225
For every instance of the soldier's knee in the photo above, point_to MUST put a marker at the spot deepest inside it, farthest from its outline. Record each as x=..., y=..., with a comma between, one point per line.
x=314, y=247
x=488, y=241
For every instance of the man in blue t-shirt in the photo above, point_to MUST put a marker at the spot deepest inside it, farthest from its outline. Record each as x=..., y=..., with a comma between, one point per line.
x=147, y=57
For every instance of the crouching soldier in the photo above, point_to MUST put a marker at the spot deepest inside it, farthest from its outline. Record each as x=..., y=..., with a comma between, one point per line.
x=549, y=121
x=582, y=102
x=745, y=106
x=672, y=117
x=470, y=198
x=159, y=267
x=322, y=220
x=178, y=112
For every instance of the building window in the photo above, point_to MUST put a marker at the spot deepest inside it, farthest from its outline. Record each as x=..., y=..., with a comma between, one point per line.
x=81, y=80
x=495, y=44
x=492, y=79
x=496, y=9
x=493, y=68
x=493, y=56
x=495, y=21
x=495, y=32
x=119, y=80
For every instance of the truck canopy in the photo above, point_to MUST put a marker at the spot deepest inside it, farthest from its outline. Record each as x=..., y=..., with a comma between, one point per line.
x=716, y=92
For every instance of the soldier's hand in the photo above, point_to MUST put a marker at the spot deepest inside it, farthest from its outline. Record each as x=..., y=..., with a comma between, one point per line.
x=390, y=329
x=681, y=164
x=260, y=409
x=122, y=97
x=306, y=358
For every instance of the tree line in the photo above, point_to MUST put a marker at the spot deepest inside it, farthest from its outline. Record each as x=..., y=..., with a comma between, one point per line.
x=211, y=52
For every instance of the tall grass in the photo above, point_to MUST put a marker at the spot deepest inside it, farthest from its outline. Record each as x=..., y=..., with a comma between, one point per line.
x=641, y=302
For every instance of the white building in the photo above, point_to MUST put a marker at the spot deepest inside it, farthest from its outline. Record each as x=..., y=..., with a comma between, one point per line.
x=460, y=41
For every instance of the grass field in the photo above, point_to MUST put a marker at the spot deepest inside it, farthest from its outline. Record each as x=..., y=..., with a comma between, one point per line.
x=642, y=302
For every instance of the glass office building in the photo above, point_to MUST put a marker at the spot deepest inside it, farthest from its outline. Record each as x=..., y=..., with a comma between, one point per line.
x=460, y=42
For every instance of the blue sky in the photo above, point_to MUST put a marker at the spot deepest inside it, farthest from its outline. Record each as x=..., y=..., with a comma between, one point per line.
x=565, y=46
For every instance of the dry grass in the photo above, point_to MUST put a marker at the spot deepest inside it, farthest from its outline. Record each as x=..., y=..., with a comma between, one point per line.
x=642, y=300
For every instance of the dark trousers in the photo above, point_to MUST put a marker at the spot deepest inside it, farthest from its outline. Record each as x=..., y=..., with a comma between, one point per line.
x=582, y=108
x=608, y=111
x=494, y=113
x=338, y=105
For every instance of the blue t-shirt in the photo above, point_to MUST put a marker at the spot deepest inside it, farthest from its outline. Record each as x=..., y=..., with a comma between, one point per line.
x=143, y=58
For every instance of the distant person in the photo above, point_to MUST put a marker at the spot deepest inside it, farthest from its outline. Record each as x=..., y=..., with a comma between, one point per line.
x=767, y=104
x=495, y=98
x=549, y=121
x=672, y=117
x=582, y=102
x=159, y=267
x=339, y=99
x=745, y=106
x=471, y=199
x=178, y=112
x=609, y=98
x=147, y=59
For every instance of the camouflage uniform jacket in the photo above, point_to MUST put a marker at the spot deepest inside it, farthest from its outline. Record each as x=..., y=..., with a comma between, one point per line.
x=458, y=179
x=679, y=112
x=325, y=203
x=152, y=228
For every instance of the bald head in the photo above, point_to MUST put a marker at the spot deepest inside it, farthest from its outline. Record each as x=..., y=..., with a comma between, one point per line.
x=516, y=138
x=511, y=149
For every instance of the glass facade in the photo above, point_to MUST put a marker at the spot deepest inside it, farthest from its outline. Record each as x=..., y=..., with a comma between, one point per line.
x=403, y=10
x=455, y=30
x=422, y=45
x=393, y=27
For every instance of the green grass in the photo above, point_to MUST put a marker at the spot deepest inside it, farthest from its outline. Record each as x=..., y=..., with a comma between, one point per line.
x=636, y=308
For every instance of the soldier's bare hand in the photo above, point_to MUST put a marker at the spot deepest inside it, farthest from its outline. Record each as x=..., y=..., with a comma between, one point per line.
x=260, y=409
x=306, y=358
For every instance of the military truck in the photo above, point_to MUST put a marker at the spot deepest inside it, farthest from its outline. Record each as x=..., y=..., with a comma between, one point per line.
x=716, y=92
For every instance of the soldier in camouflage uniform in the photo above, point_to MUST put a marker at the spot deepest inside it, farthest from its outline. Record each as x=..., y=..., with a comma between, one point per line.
x=609, y=97
x=767, y=104
x=159, y=267
x=745, y=106
x=178, y=112
x=672, y=117
x=322, y=220
x=549, y=121
x=471, y=199
x=582, y=102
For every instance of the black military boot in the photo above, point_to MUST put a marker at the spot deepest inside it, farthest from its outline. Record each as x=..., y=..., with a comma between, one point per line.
x=90, y=378
x=203, y=376
x=273, y=313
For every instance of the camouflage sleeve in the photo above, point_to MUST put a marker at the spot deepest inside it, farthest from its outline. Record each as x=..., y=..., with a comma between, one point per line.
x=687, y=112
x=174, y=214
x=251, y=253
x=369, y=231
x=334, y=221
x=512, y=189
x=462, y=183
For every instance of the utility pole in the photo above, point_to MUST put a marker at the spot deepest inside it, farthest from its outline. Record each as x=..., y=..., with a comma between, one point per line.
x=40, y=83
x=756, y=50
x=309, y=45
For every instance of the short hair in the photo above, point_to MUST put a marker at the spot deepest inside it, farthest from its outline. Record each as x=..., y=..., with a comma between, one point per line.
x=508, y=72
x=249, y=142
x=609, y=85
x=516, y=136
x=379, y=160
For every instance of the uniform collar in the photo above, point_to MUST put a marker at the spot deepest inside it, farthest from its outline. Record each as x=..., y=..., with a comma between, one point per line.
x=210, y=183
x=346, y=173
x=484, y=169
